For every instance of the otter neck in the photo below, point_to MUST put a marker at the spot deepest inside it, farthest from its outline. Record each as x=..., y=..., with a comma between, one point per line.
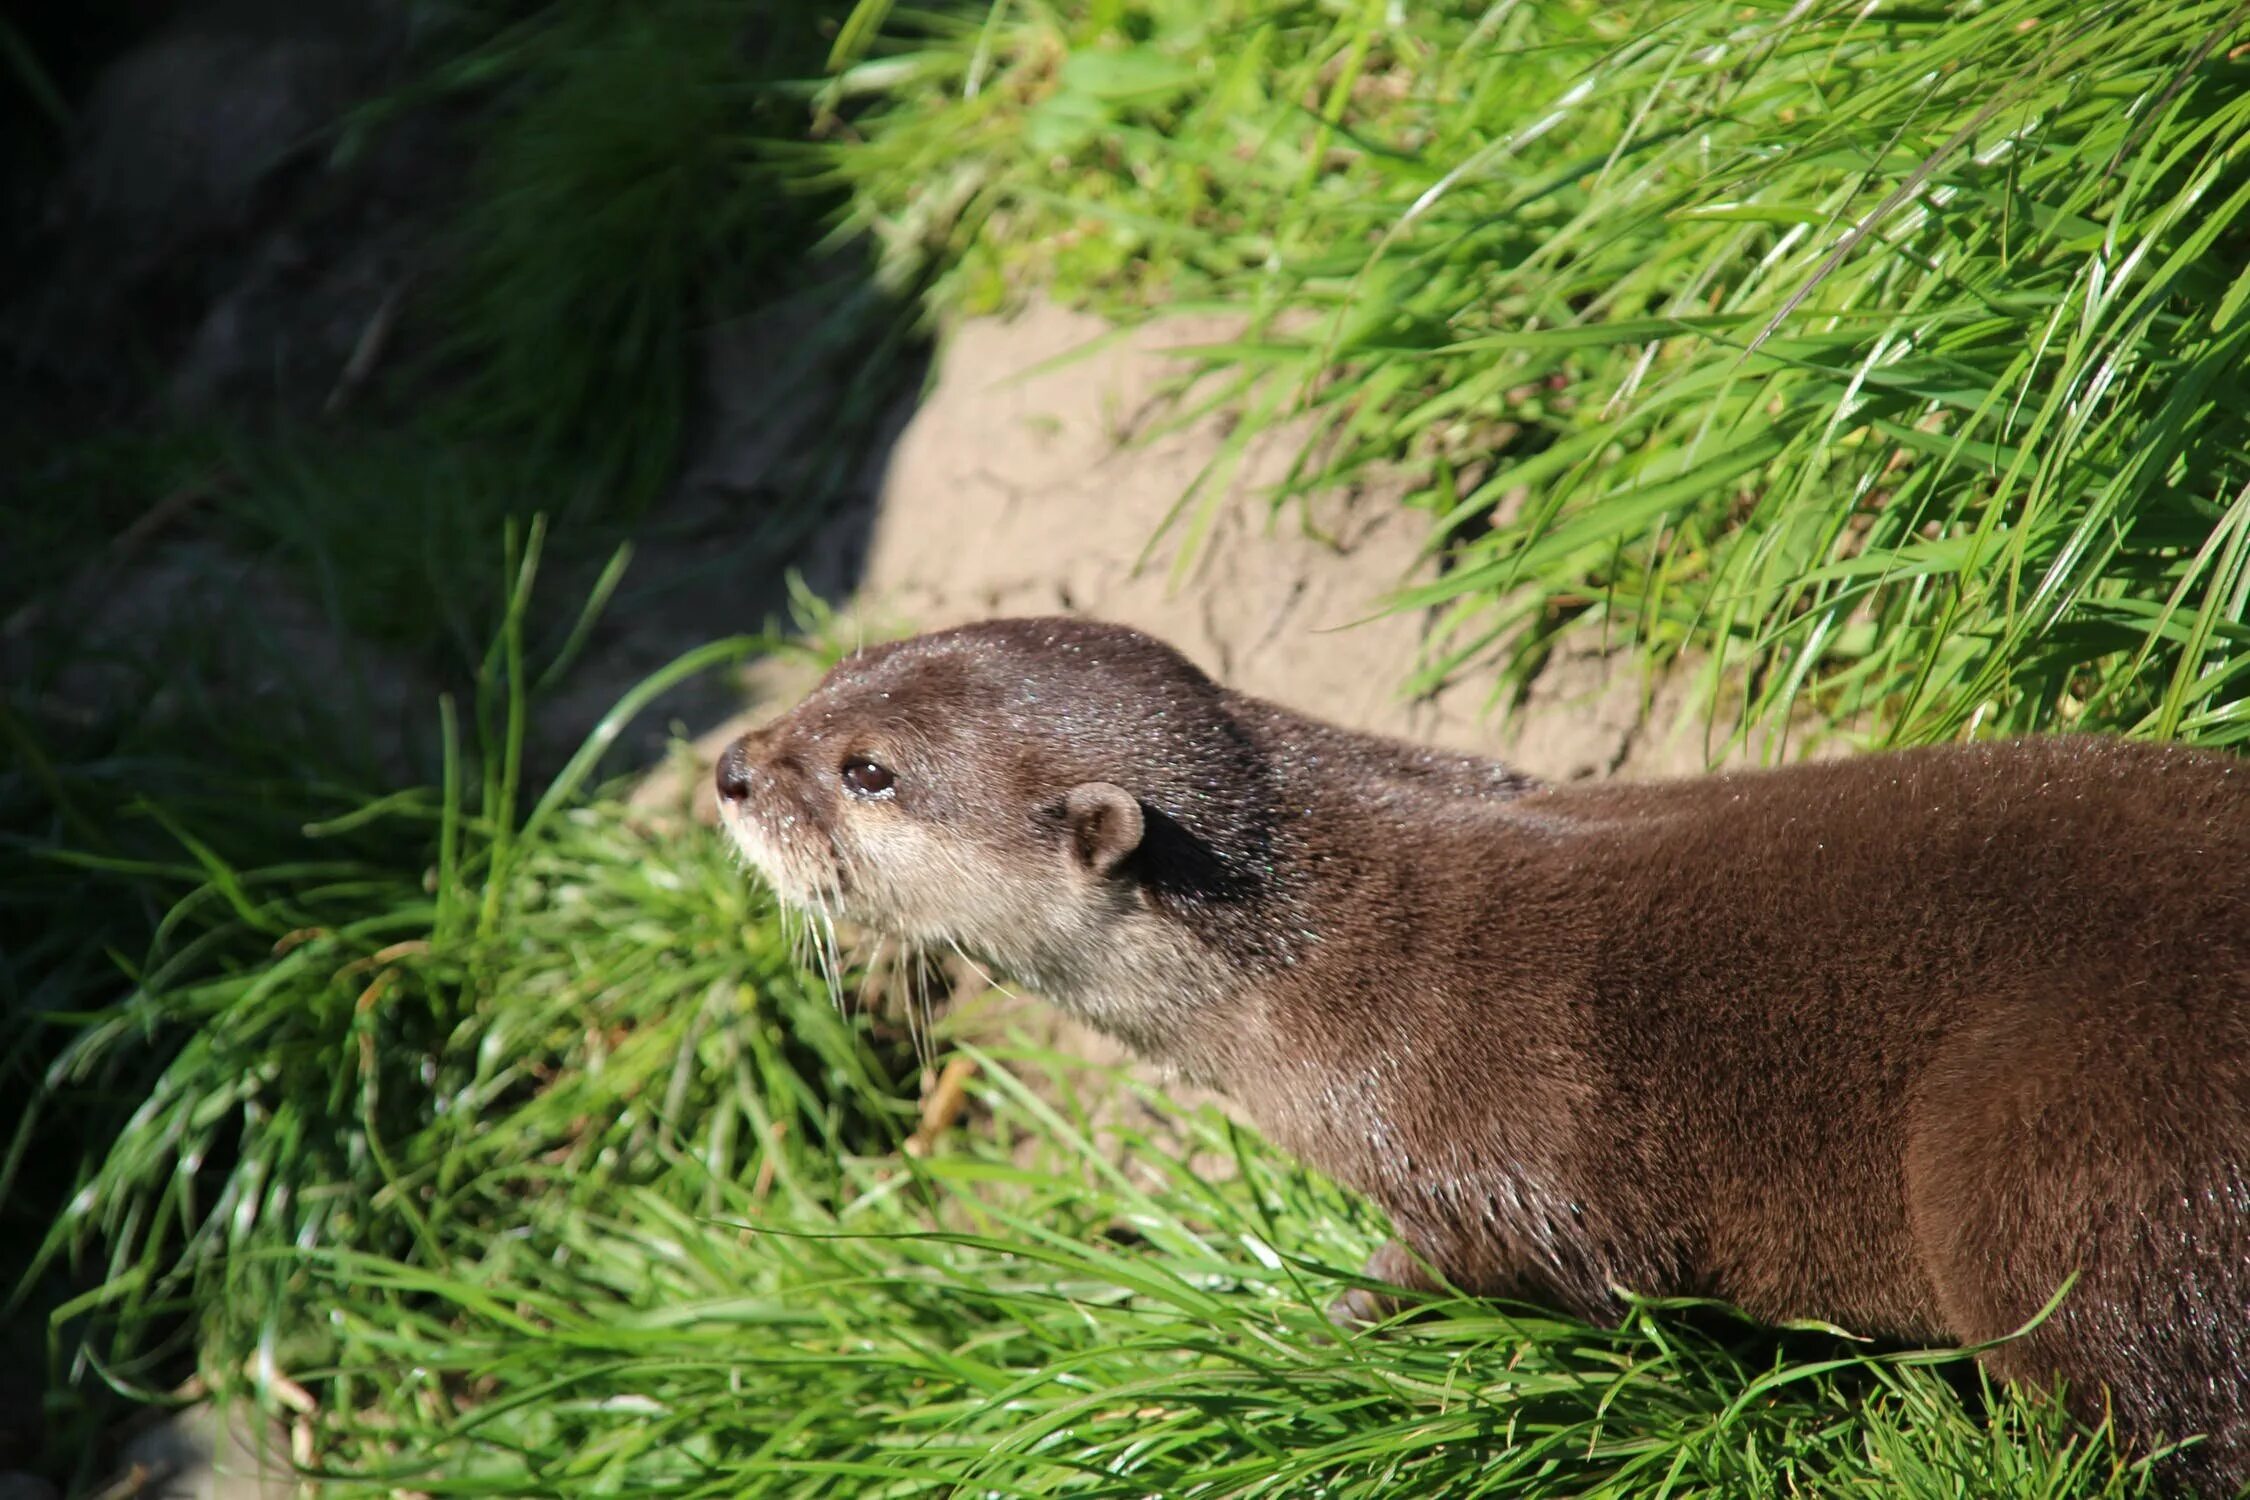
x=1180, y=976
x=1143, y=979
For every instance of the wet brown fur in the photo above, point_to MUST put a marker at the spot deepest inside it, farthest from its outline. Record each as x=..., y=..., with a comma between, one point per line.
x=1899, y=1042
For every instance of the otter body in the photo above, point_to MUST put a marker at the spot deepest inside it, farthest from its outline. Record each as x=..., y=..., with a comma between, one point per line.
x=1900, y=1043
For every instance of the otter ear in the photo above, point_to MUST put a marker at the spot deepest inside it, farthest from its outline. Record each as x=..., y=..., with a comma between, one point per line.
x=1104, y=823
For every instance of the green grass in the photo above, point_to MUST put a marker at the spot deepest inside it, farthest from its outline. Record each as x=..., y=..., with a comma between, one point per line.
x=1892, y=359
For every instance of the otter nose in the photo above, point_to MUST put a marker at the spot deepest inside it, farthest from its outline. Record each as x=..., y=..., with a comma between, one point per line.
x=733, y=773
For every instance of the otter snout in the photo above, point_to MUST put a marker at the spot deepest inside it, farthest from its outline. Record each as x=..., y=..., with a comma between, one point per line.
x=751, y=765
x=734, y=771
x=776, y=815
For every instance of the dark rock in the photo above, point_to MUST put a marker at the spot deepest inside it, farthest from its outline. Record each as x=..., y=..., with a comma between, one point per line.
x=181, y=132
x=205, y=224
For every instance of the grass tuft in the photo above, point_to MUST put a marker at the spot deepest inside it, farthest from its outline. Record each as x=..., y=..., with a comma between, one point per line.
x=628, y=196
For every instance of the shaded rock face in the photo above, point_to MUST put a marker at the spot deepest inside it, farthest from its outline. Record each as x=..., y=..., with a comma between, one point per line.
x=221, y=242
x=203, y=225
x=181, y=132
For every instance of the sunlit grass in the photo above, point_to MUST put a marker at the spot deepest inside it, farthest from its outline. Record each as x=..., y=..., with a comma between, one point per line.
x=1892, y=357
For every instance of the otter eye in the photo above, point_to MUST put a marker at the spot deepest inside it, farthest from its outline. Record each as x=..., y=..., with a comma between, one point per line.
x=867, y=778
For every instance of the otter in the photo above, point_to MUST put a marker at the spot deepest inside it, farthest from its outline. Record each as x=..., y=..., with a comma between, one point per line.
x=1903, y=1043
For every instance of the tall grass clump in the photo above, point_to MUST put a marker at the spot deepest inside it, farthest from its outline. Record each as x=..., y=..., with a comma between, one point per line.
x=1889, y=359
x=624, y=200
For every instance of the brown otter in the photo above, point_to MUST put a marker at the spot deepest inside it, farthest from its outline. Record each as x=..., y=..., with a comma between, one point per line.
x=1901, y=1043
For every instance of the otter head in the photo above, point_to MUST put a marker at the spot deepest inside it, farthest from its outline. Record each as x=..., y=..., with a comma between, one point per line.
x=1073, y=803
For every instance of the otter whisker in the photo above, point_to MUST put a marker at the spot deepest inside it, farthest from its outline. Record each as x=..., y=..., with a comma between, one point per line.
x=918, y=1027
x=869, y=992
x=918, y=996
x=797, y=929
x=831, y=959
x=991, y=980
